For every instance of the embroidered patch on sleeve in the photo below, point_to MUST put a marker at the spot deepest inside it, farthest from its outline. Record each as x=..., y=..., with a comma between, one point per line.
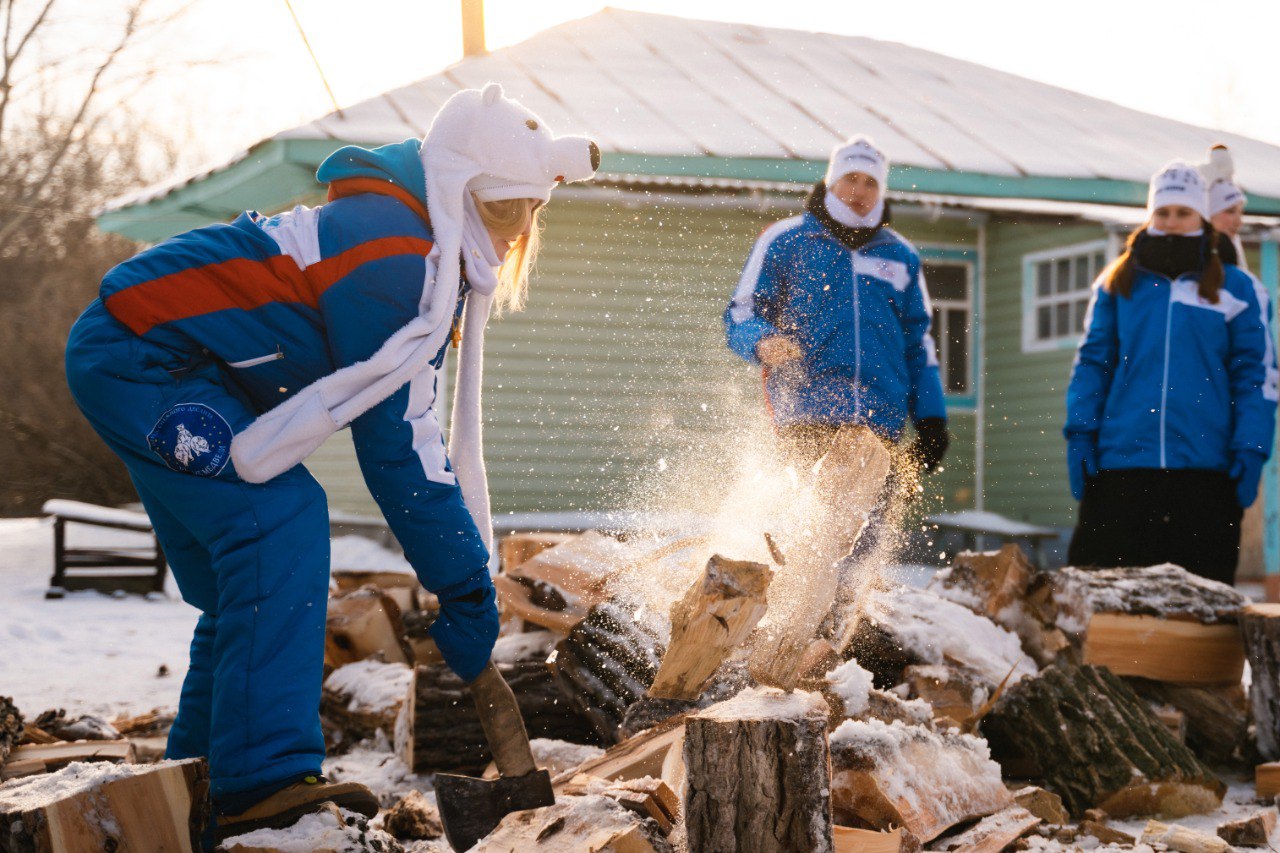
x=193, y=439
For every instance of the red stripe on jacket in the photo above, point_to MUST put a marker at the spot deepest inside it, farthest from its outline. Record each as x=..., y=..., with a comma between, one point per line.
x=246, y=284
x=355, y=186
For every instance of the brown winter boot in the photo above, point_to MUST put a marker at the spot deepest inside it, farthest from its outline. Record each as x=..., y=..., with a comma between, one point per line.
x=284, y=807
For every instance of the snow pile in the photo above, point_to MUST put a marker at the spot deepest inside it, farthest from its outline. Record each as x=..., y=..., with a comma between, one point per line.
x=558, y=756
x=936, y=630
x=373, y=763
x=36, y=792
x=852, y=684
x=1167, y=591
x=372, y=685
x=359, y=553
x=319, y=831
x=766, y=703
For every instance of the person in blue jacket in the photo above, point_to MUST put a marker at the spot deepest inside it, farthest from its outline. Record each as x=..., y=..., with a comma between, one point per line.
x=833, y=304
x=215, y=361
x=1171, y=404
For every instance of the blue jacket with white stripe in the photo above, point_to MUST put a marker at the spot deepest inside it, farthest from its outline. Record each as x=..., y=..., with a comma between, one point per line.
x=861, y=319
x=1166, y=379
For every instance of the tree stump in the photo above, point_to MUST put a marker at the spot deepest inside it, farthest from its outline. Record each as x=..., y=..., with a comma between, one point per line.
x=1095, y=743
x=1260, y=624
x=439, y=727
x=10, y=727
x=605, y=665
x=758, y=775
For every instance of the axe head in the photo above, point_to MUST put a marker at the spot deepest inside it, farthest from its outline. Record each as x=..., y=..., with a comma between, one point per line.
x=471, y=808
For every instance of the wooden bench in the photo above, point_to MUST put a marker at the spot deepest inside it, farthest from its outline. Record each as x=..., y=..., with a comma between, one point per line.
x=974, y=525
x=132, y=568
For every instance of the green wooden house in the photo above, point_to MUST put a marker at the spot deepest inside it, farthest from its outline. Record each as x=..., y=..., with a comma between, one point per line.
x=1015, y=192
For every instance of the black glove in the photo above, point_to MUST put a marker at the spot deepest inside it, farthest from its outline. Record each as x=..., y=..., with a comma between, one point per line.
x=931, y=442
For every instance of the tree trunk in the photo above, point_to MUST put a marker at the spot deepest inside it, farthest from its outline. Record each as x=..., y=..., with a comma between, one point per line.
x=439, y=728
x=758, y=775
x=604, y=666
x=1260, y=624
x=1095, y=743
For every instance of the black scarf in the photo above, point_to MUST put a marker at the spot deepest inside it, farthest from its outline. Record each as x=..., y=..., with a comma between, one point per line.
x=852, y=238
x=1170, y=255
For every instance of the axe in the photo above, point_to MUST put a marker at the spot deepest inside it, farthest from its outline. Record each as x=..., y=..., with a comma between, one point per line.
x=471, y=808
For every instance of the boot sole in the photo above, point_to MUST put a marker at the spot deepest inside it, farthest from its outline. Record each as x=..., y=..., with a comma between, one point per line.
x=282, y=820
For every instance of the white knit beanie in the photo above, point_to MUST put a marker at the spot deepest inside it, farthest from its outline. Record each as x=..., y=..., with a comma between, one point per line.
x=1178, y=183
x=1219, y=172
x=483, y=142
x=859, y=154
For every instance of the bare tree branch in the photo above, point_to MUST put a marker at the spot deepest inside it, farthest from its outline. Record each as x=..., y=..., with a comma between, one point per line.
x=11, y=58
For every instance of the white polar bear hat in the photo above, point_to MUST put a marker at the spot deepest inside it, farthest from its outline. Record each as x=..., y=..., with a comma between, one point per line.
x=483, y=142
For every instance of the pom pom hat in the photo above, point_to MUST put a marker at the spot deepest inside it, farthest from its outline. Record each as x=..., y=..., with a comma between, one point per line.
x=1219, y=172
x=1181, y=184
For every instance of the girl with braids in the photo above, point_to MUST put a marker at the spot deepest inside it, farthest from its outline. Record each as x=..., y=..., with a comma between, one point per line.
x=1170, y=414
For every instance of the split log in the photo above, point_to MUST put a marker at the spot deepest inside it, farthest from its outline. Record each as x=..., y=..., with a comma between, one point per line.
x=1181, y=839
x=644, y=754
x=413, y=818
x=715, y=616
x=1216, y=718
x=605, y=665
x=1095, y=743
x=11, y=727
x=992, y=834
x=1252, y=831
x=956, y=697
x=648, y=797
x=582, y=567
x=576, y=825
x=1260, y=625
x=896, y=775
x=515, y=549
x=1045, y=805
x=362, y=697
x=362, y=624
x=439, y=728
x=1105, y=834
x=402, y=587
x=88, y=808
x=758, y=774
x=905, y=626
x=1266, y=780
x=1174, y=650
x=537, y=603
x=850, y=840
x=1167, y=591
x=328, y=829
x=47, y=758
x=1004, y=586
x=847, y=485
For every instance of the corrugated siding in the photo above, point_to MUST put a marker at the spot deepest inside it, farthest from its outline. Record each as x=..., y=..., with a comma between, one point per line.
x=619, y=361
x=1026, y=476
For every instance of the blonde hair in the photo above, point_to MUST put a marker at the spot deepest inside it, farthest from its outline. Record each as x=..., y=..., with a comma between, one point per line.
x=516, y=220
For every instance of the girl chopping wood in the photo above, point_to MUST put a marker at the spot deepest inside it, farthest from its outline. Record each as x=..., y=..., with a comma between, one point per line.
x=216, y=361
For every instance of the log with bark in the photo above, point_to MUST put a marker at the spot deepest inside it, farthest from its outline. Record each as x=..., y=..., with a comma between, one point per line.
x=956, y=697
x=605, y=665
x=1095, y=743
x=362, y=624
x=757, y=774
x=88, y=808
x=1260, y=625
x=576, y=825
x=11, y=726
x=1173, y=650
x=1216, y=719
x=1252, y=831
x=1165, y=591
x=888, y=775
x=715, y=616
x=360, y=698
x=32, y=759
x=848, y=483
x=439, y=728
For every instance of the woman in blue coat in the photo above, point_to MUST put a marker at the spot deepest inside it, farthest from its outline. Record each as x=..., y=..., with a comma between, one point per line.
x=1171, y=404
x=216, y=361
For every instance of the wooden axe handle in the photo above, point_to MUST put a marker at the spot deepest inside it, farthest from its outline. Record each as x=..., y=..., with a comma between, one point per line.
x=503, y=725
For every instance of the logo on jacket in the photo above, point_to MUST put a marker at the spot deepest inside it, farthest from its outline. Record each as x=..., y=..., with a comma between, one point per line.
x=193, y=439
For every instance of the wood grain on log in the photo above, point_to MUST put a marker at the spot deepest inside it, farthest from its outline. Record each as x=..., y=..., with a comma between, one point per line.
x=715, y=616
x=1266, y=780
x=1181, y=839
x=1172, y=650
x=518, y=596
x=1260, y=625
x=44, y=758
x=363, y=624
x=1252, y=831
x=576, y=825
x=852, y=840
x=1095, y=743
x=758, y=775
x=992, y=834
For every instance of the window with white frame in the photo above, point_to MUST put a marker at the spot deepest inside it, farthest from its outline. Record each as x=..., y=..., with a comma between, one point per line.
x=1057, y=285
x=950, y=289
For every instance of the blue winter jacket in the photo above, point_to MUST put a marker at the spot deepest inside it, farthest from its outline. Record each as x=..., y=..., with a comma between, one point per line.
x=280, y=302
x=861, y=319
x=1165, y=379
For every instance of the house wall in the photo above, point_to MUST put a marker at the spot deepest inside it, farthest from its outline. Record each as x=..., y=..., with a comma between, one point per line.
x=614, y=387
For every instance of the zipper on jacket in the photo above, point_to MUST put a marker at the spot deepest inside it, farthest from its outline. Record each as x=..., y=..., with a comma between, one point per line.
x=262, y=359
x=1164, y=384
x=857, y=340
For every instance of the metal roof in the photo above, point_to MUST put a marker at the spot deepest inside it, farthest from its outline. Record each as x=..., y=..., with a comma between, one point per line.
x=676, y=96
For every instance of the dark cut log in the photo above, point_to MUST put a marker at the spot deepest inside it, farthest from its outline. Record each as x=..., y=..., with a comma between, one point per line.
x=1094, y=742
x=1217, y=718
x=758, y=775
x=11, y=726
x=439, y=728
x=605, y=666
x=1260, y=624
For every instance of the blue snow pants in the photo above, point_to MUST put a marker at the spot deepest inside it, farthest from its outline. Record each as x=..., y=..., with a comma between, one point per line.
x=254, y=559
